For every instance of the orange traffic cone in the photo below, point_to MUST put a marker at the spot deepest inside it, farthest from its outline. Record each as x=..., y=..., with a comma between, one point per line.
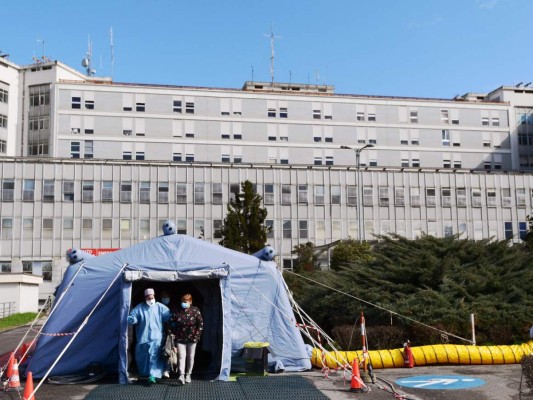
x=9, y=370
x=357, y=384
x=14, y=381
x=28, y=389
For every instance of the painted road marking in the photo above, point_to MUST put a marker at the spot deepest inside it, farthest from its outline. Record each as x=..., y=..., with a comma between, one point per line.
x=440, y=382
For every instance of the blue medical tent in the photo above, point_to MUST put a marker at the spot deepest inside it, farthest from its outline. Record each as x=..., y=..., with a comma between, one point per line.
x=242, y=298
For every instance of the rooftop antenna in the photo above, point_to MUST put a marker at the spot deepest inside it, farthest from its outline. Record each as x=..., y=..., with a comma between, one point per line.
x=86, y=62
x=252, y=73
x=527, y=84
x=272, y=38
x=317, y=77
x=112, y=51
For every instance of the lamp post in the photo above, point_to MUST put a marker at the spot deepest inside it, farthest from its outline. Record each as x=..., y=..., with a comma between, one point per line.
x=359, y=187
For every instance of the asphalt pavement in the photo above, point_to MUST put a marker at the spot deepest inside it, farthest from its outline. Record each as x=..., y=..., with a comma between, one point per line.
x=443, y=382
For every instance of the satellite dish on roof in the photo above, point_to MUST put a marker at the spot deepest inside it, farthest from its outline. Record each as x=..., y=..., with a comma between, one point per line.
x=85, y=62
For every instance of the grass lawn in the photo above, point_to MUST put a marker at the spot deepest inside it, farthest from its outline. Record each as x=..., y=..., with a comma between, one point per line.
x=16, y=320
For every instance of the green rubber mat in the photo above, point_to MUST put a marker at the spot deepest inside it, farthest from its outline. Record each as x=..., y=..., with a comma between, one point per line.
x=257, y=388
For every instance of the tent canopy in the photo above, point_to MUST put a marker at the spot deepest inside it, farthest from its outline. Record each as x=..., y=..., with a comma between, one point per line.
x=241, y=297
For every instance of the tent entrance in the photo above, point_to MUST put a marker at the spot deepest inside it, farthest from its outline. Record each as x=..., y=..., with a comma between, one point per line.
x=206, y=294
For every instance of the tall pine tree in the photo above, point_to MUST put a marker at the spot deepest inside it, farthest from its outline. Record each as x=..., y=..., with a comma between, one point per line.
x=244, y=229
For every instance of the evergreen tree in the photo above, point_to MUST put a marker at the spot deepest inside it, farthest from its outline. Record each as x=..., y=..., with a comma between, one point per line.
x=349, y=251
x=243, y=229
x=306, y=259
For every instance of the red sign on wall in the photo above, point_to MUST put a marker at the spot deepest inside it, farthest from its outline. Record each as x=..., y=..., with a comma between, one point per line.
x=99, y=252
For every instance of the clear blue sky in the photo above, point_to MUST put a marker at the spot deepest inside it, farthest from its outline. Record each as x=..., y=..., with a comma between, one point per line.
x=421, y=48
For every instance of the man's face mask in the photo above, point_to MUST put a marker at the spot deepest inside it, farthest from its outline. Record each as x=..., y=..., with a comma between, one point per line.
x=150, y=302
x=165, y=300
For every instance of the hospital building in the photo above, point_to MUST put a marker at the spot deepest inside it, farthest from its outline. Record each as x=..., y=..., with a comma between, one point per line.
x=95, y=164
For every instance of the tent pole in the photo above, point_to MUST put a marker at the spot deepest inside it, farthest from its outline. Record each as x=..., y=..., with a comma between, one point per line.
x=85, y=321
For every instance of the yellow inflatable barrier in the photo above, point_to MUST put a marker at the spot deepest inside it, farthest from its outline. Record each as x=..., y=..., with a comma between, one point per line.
x=428, y=355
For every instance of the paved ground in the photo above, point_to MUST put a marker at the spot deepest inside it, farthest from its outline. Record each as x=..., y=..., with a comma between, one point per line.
x=501, y=382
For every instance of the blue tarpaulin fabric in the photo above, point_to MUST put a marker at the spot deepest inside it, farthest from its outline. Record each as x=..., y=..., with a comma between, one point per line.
x=252, y=297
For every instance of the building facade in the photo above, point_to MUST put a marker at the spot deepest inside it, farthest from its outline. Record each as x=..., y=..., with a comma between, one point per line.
x=95, y=164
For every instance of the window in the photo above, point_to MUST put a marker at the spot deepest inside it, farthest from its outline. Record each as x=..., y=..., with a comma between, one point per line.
x=491, y=198
x=48, y=228
x=237, y=136
x=448, y=229
x=68, y=190
x=181, y=193
x=399, y=196
x=335, y=194
x=506, y=197
x=329, y=160
x=76, y=102
x=87, y=191
x=415, y=196
x=485, y=121
x=28, y=191
x=87, y=228
x=271, y=112
x=461, y=197
x=48, y=190
x=8, y=189
x=144, y=192
x=162, y=192
x=189, y=157
x=431, y=198
x=444, y=117
x=269, y=194
x=360, y=116
x=317, y=114
x=225, y=158
x=234, y=189
x=522, y=230
x=336, y=230
x=520, y=197
x=199, y=193
x=303, y=229
x=6, y=229
x=405, y=162
x=476, y=197
x=445, y=137
x=181, y=226
x=125, y=228
x=318, y=161
x=302, y=194
x=413, y=117
x=455, y=121
x=3, y=146
x=495, y=122
x=144, y=228
x=217, y=229
x=125, y=192
x=320, y=228
x=287, y=229
x=74, y=149
x=107, y=228
x=351, y=193
x=127, y=132
x=446, y=197
x=88, y=150
x=199, y=228
x=89, y=104
x=286, y=195
x=216, y=193
x=68, y=228
x=508, y=230
x=176, y=106
x=371, y=117
x=176, y=157
x=269, y=224
x=139, y=155
x=3, y=96
x=27, y=267
x=320, y=194
x=140, y=107
x=46, y=268
x=107, y=191
x=39, y=95
x=415, y=162
x=283, y=113
x=384, y=196
x=189, y=107
x=189, y=135
x=126, y=155
x=3, y=121
x=368, y=196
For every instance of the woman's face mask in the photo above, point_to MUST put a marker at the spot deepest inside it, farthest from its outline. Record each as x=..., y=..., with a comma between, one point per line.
x=185, y=304
x=165, y=300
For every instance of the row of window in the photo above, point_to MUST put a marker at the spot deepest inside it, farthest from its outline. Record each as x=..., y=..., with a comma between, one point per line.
x=282, y=112
x=40, y=268
x=89, y=230
x=397, y=196
x=39, y=95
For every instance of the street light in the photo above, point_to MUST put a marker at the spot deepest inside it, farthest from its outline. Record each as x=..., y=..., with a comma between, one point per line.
x=359, y=186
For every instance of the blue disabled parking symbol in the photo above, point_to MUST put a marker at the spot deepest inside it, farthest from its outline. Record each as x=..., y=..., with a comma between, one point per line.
x=440, y=382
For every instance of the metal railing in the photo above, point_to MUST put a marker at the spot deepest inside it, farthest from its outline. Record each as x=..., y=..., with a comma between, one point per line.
x=7, y=309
